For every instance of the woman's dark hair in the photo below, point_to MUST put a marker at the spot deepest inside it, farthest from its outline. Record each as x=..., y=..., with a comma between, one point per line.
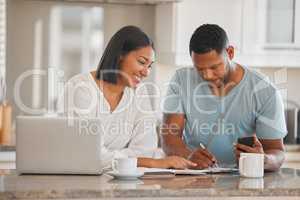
x=128, y=38
x=208, y=37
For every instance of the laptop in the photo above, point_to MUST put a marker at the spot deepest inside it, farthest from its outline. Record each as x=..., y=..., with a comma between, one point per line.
x=57, y=145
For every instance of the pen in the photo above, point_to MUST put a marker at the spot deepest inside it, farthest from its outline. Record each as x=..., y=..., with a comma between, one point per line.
x=203, y=147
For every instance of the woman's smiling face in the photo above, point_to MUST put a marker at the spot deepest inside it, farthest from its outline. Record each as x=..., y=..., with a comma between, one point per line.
x=135, y=66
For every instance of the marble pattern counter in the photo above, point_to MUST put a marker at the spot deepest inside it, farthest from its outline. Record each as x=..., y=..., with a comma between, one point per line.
x=285, y=182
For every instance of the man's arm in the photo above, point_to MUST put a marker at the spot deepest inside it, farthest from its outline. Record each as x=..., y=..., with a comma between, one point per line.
x=171, y=135
x=272, y=149
x=274, y=154
x=173, y=144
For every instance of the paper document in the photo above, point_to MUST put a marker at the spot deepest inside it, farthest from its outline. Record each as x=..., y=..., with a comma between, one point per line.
x=188, y=171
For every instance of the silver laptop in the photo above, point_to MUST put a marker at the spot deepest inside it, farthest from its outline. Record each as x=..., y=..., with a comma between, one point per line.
x=57, y=145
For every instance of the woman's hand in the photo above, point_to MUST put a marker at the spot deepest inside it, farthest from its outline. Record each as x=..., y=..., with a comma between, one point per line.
x=175, y=162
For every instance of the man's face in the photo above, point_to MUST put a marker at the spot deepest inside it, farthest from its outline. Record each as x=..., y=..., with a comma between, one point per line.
x=213, y=67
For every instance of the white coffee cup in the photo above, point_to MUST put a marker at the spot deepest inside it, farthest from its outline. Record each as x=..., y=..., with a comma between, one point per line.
x=125, y=165
x=251, y=165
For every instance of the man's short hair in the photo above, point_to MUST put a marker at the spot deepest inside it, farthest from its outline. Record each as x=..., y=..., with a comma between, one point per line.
x=208, y=37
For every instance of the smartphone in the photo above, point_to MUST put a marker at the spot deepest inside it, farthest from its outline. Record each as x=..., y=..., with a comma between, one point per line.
x=249, y=141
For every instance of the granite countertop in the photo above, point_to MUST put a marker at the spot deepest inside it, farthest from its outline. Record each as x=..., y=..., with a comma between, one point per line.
x=285, y=182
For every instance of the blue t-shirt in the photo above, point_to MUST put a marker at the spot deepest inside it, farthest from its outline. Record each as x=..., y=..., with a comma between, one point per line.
x=252, y=106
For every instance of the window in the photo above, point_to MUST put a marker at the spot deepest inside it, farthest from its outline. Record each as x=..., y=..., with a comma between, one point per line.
x=282, y=22
x=76, y=38
x=280, y=14
x=75, y=45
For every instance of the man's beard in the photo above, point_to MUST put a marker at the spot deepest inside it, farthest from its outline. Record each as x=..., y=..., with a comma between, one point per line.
x=220, y=83
x=230, y=67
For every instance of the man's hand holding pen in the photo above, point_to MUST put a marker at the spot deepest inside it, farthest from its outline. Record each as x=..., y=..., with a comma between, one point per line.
x=203, y=158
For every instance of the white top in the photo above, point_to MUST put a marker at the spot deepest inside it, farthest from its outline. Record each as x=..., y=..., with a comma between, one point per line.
x=129, y=131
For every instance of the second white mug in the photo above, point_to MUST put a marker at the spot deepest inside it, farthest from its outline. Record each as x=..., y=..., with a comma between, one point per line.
x=251, y=165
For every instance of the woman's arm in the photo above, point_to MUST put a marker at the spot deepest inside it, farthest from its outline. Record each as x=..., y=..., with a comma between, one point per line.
x=175, y=162
x=168, y=162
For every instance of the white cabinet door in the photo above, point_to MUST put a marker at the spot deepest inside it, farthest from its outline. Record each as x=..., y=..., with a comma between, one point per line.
x=193, y=13
x=270, y=33
x=182, y=19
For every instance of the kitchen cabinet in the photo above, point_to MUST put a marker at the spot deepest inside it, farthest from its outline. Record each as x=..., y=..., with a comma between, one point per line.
x=271, y=33
x=175, y=24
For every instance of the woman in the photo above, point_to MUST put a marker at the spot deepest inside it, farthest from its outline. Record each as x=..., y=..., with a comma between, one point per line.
x=111, y=93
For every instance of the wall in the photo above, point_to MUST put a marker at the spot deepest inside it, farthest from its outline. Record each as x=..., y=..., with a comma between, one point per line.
x=2, y=39
x=27, y=25
x=290, y=82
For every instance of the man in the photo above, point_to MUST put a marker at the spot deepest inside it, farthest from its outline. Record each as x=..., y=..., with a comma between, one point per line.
x=208, y=107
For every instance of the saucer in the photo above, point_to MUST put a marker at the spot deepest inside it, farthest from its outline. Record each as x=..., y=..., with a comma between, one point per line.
x=127, y=176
